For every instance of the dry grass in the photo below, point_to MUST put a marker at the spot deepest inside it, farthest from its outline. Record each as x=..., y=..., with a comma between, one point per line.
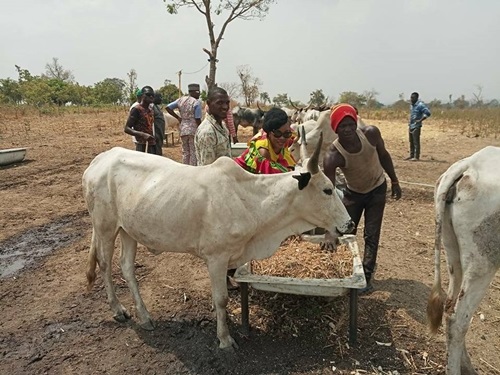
x=302, y=259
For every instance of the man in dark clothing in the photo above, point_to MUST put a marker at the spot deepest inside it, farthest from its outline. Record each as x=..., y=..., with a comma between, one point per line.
x=159, y=123
x=140, y=122
x=418, y=113
x=361, y=155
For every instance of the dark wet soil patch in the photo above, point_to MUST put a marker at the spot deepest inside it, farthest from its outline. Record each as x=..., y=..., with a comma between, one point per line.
x=25, y=248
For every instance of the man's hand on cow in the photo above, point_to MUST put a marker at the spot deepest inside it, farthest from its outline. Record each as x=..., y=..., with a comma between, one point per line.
x=331, y=242
x=395, y=191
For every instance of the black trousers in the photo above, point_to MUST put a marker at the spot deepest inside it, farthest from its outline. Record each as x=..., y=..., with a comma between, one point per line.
x=414, y=137
x=372, y=204
x=141, y=148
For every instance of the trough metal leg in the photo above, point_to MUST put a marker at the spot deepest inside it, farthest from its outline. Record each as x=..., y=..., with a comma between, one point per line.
x=353, y=316
x=245, y=323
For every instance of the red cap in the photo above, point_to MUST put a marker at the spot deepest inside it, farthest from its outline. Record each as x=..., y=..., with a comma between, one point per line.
x=340, y=111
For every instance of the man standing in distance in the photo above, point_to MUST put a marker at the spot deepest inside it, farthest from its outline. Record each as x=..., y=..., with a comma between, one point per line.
x=418, y=113
x=140, y=122
x=190, y=118
x=363, y=158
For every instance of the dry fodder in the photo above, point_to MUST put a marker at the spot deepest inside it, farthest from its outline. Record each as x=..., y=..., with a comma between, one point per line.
x=301, y=259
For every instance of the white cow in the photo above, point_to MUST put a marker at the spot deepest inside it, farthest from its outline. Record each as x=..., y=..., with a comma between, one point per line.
x=171, y=123
x=467, y=209
x=313, y=129
x=168, y=206
x=311, y=114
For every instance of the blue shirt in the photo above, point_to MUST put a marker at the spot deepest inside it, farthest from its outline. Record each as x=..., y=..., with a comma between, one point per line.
x=417, y=112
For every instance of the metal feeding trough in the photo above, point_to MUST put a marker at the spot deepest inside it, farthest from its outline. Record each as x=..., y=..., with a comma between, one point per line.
x=12, y=155
x=310, y=287
x=238, y=148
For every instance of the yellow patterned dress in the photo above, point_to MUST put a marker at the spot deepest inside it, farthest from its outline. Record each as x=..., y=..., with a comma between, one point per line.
x=254, y=162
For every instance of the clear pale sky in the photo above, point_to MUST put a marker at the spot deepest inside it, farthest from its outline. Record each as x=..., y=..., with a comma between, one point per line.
x=435, y=47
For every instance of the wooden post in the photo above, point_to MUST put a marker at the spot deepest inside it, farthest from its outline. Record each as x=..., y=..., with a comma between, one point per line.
x=179, y=73
x=245, y=322
x=353, y=316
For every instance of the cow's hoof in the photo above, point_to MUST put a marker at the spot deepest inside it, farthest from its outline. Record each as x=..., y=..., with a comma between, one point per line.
x=228, y=345
x=122, y=317
x=148, y=325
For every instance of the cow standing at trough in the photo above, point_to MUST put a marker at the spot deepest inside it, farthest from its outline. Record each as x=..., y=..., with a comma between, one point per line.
x=146, y=199
x=467, y=213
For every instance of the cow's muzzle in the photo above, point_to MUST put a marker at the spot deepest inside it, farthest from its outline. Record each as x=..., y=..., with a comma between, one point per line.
x=349, y=229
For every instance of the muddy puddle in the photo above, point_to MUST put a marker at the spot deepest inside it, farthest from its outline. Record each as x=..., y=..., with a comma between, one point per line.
x=24, y=249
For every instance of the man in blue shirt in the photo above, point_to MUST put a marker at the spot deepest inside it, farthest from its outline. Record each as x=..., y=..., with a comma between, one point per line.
x=418, y=113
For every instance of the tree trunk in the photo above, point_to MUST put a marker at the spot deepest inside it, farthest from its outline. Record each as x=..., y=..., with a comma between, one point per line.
x=210, y=79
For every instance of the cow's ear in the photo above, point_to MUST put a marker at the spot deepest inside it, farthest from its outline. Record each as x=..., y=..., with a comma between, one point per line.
x=303, y=179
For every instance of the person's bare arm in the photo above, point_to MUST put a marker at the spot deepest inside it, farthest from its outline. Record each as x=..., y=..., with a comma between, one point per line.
x=171, y=112
x=375, y=138
x=265, y=153
x=331, y=161
x=132, y=121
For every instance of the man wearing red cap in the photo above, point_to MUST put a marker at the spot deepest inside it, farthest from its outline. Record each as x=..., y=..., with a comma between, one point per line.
x=363, y=158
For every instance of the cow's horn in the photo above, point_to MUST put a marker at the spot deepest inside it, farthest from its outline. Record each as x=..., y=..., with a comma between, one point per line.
x=312, y=164
x=293, y=105
x=303, y=143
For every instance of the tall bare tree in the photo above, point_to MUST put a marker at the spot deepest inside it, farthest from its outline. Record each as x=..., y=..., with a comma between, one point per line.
x=478, y=96
x=211, y=9
x=56, y=70
x=249, y=84
x=131, y=85
x=371, y=98
x=232, y=89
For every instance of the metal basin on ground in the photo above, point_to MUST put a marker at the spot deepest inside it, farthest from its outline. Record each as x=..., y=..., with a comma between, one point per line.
x=12, y=155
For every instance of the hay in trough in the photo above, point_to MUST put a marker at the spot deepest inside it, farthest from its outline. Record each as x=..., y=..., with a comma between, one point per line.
x=301, y=259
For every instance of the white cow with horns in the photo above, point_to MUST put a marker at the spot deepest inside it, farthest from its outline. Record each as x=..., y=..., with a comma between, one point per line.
x=467, y=205
x=168, y=206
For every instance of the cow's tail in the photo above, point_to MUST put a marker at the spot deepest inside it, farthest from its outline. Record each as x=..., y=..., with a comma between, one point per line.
x=443, y=195
x=92, y=263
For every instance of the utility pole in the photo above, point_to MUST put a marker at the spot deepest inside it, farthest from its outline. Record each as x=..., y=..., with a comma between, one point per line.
x=179, y=73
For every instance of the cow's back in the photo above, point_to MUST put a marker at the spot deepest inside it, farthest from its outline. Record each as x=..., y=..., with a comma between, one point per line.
x=120, y=178
x=153, y=198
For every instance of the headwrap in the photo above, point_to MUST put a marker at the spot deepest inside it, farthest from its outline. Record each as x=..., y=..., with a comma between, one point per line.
x=340, y=111
x=138, y=92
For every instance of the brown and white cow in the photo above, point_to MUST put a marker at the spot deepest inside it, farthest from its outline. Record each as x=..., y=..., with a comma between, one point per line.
x=467, y=213
x=168, y=206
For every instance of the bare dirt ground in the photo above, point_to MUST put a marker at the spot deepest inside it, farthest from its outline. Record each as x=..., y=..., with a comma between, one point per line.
x=50, y=325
